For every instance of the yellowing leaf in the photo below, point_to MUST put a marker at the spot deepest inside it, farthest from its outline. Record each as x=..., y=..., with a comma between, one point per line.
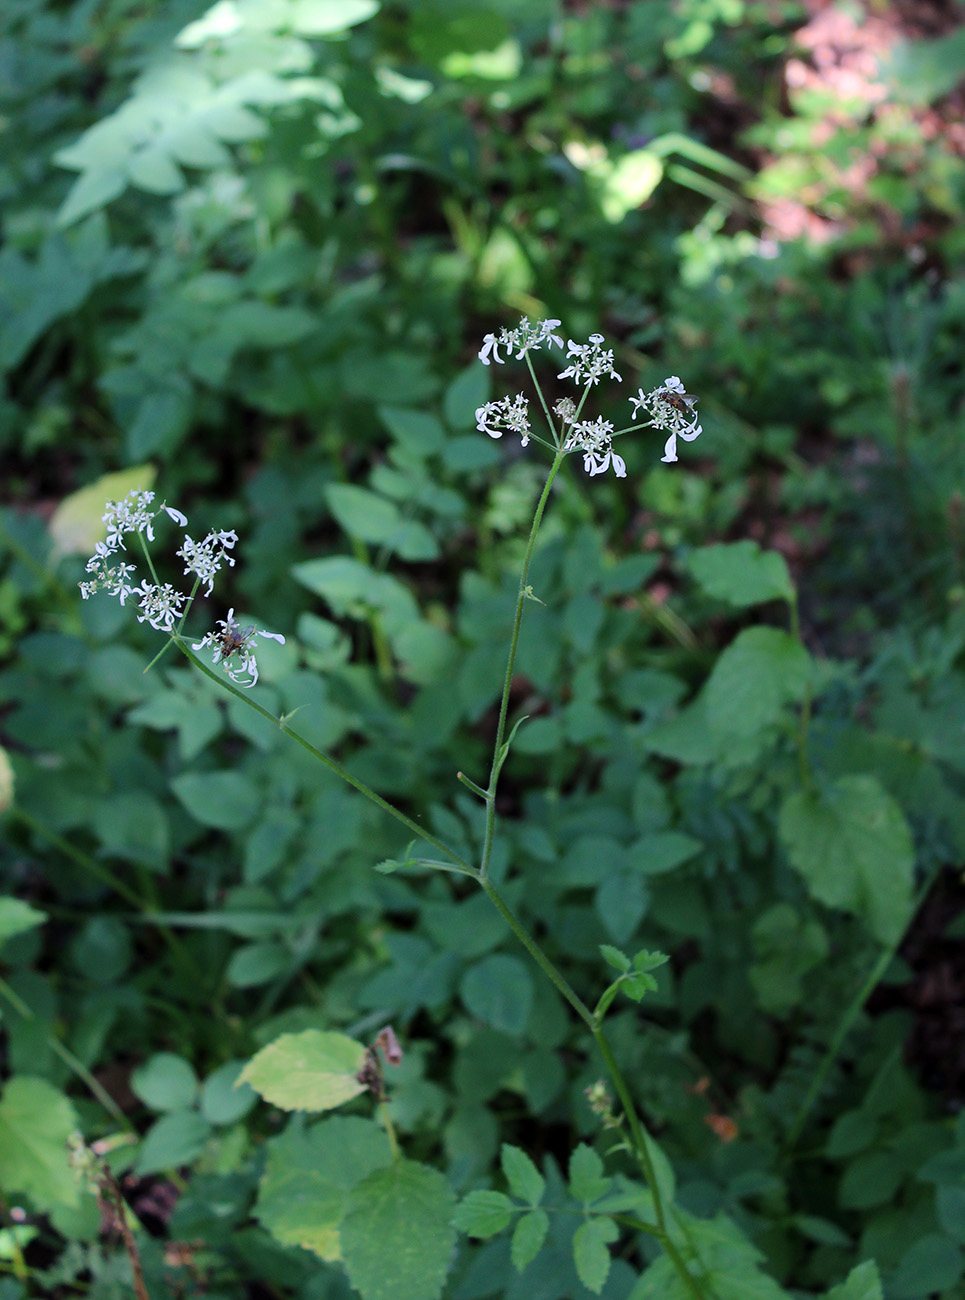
x=308, y=1071
x=77, y=524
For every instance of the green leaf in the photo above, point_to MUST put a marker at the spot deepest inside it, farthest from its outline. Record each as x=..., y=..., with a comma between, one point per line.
x=852, y=845
x=165, y=1082
x=257, y=963
x=226, y=800
x=591, y=1254
x=177, y=1138
x=35, y=1123
x=499, y=990
x=352, y=588
x=760, y=672
x=77, y=524
x=17, y=916
x=397, y=1236
x=614, y=957
x=415, y=430
x=363, y=514
x=741, y=573
x=308, y=1174
x=662, y=851
x=932, y=1266
x=528, y=1238
x=730, y=1264
x=525, y=1180
x=224, y=1099
x=468, y=391
x=871, y=1179
x=153, y=169
x=862, y=1283
x=90, y=192
x=312, y=1070
x=326, y=17
x=483, y=1214
x=587, y=1179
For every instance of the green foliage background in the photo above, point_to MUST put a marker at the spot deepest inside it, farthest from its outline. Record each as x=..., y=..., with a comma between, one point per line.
x=248, y=255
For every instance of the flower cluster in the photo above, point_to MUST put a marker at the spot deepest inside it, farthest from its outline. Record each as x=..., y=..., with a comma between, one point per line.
x=524, y=338
x=510, y=413
x=590, y=362
x=233, y=640
x=595, y=439
x=670, y=408
x=160, y=604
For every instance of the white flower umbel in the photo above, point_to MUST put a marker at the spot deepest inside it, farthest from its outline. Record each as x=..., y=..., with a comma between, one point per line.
x=110, y=578
x=594, y=438
x=131, y=515
x=565, y=408
x=524, y=338
x=233, y=640
x=205, y=558
x=590, y=362
x=161, y=606
x=504, y=413
x=672, y=408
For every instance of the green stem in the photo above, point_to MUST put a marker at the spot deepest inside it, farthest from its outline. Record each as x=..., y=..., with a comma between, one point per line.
x=510, y=665
x=69, y=1059
x=850, y=1014
x=638, y=1134
x=323, y=758
x=804, y=717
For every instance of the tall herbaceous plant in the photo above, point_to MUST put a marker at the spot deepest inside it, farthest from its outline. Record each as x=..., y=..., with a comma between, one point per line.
x=352, y=1194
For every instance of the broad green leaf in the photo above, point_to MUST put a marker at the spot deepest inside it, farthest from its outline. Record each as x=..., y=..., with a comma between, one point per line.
x=499, y=990
x=591, y=1253
x=35, y=1123
x=91, y=191
x=621, y=903
x=134, y=826
x=528, y=1238
x=741, y=573
x=628, y=183
x=257, y=963
x=468, y=391
x=177, y=1138
x=352, y=588
x=397, y=1235
x=862, y=1283
x=17, y=916
x=307, y=1071
x=932, y=1266
x=587, y=1180
x=224, y=1099
x=153, y=169
x=871, y=1179
x=760, y=672
x=308, y=1174
x=417, y=431
x=363, y=514
x=729, y=1262
x=483, y=1214
x=77, y=522
x=525, y=1181
x=662, y=851
x=325, y=17
x=227, y=800
x=165, y=1082
x=852, y=845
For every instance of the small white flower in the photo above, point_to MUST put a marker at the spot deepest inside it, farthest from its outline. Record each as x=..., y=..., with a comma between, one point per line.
x=233, y=640
x=131, y=515
x=205, y=558
x=109, y=578
x=524, y=338
x=672, y=408
x=161, y=606
x=592, y=362
x=565, y=408
x=510, y=413
x=594, y=439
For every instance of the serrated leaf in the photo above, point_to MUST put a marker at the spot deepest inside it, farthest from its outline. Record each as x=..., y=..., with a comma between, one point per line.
x=35, y=1123
x=852, y=845
x=311, y=1071
x=741, y=573
x=499, y=990
x=528, y=1238
x=525, y=1180
x=397, y=1236
x=614, y=957
x=591, y=1253
x=862, y=1283
x=759, y=673
x=587, y=1181
x=308, y=1174
x=483, y=1214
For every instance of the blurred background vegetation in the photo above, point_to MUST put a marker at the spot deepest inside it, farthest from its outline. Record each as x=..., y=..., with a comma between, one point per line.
x=247, y=257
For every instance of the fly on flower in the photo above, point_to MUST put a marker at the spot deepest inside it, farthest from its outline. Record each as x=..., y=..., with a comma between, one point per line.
x=234, y=640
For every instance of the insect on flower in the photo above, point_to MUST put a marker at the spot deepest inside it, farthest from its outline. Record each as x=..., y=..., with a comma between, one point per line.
x=682, y=402
x=233, y=638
